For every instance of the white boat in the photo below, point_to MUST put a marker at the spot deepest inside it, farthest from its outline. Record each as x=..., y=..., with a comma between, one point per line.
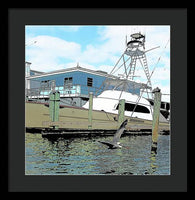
x=135, y=106
x=108, y=101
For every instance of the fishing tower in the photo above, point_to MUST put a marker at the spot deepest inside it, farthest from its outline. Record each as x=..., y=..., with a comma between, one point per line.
x=136, y=51
x=126, y=66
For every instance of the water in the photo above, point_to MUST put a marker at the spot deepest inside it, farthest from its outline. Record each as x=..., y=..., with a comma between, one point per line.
x=86, y=156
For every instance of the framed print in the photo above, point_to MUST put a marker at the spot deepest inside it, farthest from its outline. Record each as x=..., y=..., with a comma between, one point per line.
x=96, y=98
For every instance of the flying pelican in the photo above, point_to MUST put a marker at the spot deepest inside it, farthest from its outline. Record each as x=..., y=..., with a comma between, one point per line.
x=115, y=143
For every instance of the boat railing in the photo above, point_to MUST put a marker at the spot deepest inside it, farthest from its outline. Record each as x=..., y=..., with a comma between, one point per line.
x=70, y=91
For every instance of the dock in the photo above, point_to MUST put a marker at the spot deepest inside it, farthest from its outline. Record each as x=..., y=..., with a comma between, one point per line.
x=53, y=120
x=94, y=133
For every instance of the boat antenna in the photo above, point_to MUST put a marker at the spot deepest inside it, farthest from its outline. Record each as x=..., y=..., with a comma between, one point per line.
x=126, y=40
x=139, y=97
x=159, y=58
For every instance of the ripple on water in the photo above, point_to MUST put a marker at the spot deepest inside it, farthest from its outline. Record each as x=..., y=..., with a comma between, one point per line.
x=86, y=156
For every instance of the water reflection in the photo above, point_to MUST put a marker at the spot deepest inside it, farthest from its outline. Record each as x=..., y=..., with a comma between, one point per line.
x=86, y=156
x=153, y=164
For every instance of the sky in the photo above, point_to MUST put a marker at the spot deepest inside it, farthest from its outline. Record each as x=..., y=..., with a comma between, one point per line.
x=50, y=48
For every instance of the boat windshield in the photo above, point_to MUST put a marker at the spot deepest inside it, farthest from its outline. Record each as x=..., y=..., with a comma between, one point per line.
x=139, y=108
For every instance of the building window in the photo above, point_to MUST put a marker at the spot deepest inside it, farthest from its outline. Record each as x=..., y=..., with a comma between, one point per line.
x=139, y=108
x=53, y=84
x=90, y=82
x=68, y=82
x=45, y=85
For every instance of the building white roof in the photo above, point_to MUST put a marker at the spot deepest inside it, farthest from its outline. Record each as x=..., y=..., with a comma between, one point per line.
x=73, y=69
x=81, y=69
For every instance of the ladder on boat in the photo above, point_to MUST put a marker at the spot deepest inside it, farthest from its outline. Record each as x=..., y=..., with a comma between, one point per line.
x=144, y=65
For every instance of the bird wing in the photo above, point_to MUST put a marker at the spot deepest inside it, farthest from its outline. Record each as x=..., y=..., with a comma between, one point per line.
x=119, y=132
x=107, y=143
x=117, y=135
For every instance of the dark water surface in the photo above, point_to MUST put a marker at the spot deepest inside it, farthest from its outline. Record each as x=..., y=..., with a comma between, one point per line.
x=86, y=156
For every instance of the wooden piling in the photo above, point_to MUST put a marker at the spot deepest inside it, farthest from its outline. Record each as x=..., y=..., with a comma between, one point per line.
x=90, y=110
x=121, y=111
x=54, y=102
x=156, y=114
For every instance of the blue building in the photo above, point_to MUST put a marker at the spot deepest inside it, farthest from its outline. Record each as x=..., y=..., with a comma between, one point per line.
x=74, y=84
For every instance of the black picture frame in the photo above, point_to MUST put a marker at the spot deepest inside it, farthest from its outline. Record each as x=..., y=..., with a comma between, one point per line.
x=17, y=19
